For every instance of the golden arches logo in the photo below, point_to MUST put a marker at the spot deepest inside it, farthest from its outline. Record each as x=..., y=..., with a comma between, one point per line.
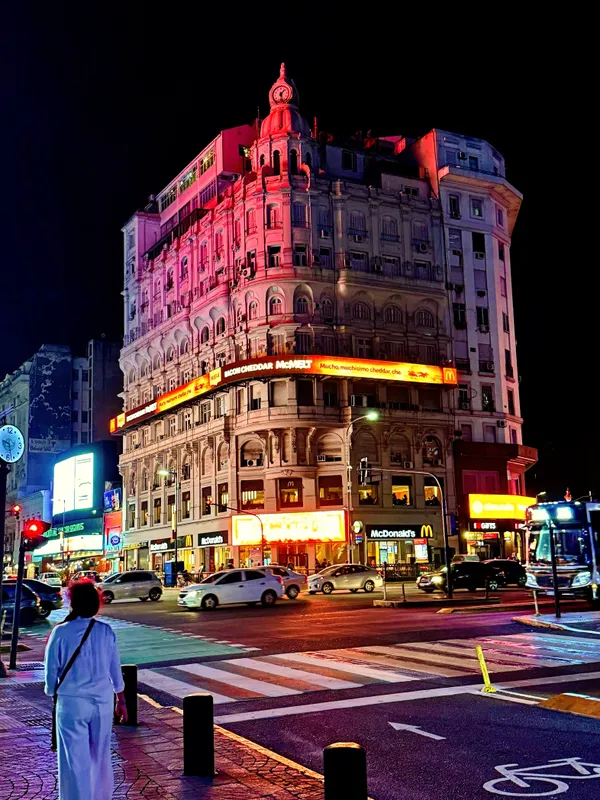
x=426, y=531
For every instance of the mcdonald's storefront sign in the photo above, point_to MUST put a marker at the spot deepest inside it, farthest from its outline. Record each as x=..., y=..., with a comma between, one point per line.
x=389, y=532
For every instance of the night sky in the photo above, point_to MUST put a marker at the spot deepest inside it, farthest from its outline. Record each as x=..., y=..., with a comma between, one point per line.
x=100, y=111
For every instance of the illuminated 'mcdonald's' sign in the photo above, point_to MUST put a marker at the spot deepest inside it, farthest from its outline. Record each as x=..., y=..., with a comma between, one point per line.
x=300, y=526
x=499, y=506
x=269, y=367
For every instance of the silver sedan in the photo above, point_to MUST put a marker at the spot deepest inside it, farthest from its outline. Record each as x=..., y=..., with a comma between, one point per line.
x=345, y=576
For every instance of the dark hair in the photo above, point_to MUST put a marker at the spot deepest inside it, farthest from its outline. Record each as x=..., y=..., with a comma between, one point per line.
x=84, y=600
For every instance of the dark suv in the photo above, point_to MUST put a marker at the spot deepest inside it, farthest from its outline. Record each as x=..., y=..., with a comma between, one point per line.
x=469, y=575
x=30, y=604
x=507, y=571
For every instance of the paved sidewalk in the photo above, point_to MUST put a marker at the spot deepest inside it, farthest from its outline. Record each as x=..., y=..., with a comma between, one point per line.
x=579, y=621
x=147, y=759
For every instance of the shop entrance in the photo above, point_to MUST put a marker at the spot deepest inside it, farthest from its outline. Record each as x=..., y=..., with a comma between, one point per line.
x=294, y=556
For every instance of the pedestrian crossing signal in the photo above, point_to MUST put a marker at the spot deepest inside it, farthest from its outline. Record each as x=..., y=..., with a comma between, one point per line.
x=33, y=534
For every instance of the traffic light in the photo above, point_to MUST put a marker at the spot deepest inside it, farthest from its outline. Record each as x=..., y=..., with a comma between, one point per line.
x=364, y=472
x=33, y=534
x=208, y=505
x=16, y=509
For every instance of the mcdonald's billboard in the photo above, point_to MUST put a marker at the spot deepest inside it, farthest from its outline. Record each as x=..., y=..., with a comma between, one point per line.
x=384, y=533
x=273, y=366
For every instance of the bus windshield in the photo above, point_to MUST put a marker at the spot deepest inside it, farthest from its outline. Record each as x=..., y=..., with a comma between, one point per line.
x=572, y=547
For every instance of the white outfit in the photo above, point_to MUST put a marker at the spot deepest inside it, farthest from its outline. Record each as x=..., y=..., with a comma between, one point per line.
x=85, y=707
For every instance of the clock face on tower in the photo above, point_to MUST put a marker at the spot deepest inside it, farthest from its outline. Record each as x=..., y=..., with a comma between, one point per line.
x=282, y=93
x=11, y=444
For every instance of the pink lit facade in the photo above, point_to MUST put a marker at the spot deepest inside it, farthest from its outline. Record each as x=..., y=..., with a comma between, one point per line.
x=275, y=243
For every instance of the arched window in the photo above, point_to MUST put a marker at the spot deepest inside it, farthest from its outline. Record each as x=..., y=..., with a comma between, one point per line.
x=170, y=281
x=361, y=311
x=185, y=347
x=144, y=299
x=326, y=308
x=329, y=447
x=393, y=314
x=250, y=221
x=420, y=232
x=156, y=362
x=253, y=310
x=145, y=369
x=308, y=159
x=273, y=216
x=204, y=335
x=276, y=162
x=219, y=244
x=237, y=232
x=358, y=224
x=261, y=160
x=252, y=454
x=220, y=326
x=301, y=305
x=132, y=376
x=132, y=479
x=145, y=480
x=293, y=162
x=170, y=354
x=275, y=306
x=389, y=229
x=425, y=319
x=157, y=288
x=203, y=256
x=203, y=367
x=184, y=267
x=432, y=451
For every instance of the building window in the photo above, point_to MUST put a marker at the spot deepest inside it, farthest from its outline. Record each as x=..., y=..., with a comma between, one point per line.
x=401, y=490
x=389, y=229
x=331, y=490
x=187, y=420
x=278, y=394
x=483, y=317
x=206, y=161
x=304, y=393
x=501, y=251
x=274, y=254
x=505, y=323
x=431, y=492
x=476, y=207
x=364, y=348
x=349, y=162
x=75, y=416
x=290, y=492
x=220, y=406
x=460, y=315
x=304, y=344
x=299, y=215
x=172, y=384
x=358, y=225
x=253, y=310
x=511, y=403
x=223, y=497
x=432, y=451
x=253, y=495
x=156, y=512
x=220, y=326
x=464, y=396
x=293, y=162
x=325, y=258
x=503, y=287
x=500, y=217
x=368, y=495
x=330, y=394
x=144, y=513
x=84, y=437
x=327, y=309
x=361, y=311
x=467, y=432
x=513, y=436
x=423, y=271
x=207, y=501
x=393, y=315
x=487, y=398
x=275, y=306
x=184, y=267
x=486, y=358
x=425, y=319
x=454, y=206
x=205, y=413
x=300, y=257
x=186, y=505
x=250, y=221
x=489, y=434
x=276, y=162
x=508, y=364
x=273, y=216
x=301, y=305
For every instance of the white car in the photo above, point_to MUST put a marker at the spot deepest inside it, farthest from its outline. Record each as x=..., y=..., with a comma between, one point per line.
x=51, y=578
x=250, y=586
x=345, y=576
x=293, y=582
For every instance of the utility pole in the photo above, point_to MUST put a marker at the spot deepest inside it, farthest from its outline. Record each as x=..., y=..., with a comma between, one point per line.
x=4, y=470
x=554, y=567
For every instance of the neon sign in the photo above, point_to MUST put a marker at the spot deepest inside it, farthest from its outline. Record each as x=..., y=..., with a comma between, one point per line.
x=301, y=526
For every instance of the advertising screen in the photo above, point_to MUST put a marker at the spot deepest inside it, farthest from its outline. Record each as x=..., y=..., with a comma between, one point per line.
x=73, y=484
x=498, y=506
x=301, y=526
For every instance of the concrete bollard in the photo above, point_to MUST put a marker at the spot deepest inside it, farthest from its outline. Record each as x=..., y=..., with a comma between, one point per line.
x=345, y=771
x=198, y=735
x=130, y=677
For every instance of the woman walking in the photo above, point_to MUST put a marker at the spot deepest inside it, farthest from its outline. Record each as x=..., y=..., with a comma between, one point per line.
x=83, y=673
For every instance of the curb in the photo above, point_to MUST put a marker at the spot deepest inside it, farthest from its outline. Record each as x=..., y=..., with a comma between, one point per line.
x=581, y=704
x=540, y=623
x=483, y=609
x=425, y=604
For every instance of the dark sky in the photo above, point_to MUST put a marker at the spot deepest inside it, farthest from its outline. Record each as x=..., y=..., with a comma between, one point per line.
x=101, y=109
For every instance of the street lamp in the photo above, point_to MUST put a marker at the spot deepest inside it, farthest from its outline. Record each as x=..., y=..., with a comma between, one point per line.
x=372, y=416
x=167, y=473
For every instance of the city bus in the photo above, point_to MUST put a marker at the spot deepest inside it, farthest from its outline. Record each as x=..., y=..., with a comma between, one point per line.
x=576, y=528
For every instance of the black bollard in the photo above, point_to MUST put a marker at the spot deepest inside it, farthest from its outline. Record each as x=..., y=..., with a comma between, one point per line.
x=198, y=735
x=131, y=699
x=345, y=771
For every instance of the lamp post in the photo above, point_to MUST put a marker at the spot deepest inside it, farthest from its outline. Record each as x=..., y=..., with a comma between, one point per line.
x=167, y=473
x=373, y=416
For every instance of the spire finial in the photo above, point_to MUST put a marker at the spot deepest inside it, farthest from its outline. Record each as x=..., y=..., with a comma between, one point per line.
x=282, y=70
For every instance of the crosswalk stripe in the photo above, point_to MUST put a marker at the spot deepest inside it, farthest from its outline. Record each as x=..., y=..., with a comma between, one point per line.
x=499, y=655
x=317, y=681
x=401, y=653
x=179, y=689
x=405, y=664
x=555, y=639
x=317, y=660
x=221, y=676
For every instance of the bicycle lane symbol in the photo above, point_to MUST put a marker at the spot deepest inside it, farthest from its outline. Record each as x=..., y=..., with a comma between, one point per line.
x=544, y=780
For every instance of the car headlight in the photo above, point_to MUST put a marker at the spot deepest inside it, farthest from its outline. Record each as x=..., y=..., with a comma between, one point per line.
x=582, y=578
x=193, y=593
x=531, y=581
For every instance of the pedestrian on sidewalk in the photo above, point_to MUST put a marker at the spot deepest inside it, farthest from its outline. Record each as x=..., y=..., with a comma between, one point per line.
x=85, y=696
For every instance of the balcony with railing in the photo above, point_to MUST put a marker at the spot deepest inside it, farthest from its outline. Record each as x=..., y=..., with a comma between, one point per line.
x=175, y=233
x=463, y=365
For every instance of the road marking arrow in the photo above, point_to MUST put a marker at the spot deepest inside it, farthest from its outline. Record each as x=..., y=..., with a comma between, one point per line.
x=398, y=726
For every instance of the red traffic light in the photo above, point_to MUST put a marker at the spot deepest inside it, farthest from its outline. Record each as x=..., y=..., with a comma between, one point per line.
x=33, y=533
x=16, y=509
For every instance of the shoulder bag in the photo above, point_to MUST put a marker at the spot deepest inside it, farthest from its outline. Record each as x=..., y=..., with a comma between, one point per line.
x=60, y=681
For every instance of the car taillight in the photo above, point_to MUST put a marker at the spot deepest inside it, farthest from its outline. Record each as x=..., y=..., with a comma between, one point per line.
x=279, y=578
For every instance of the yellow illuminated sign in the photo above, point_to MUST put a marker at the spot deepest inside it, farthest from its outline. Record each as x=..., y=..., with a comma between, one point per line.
x=301, y=526
x=272, y=366
x=499, y=506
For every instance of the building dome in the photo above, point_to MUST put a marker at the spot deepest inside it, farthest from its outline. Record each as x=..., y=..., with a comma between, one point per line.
x=284, y=116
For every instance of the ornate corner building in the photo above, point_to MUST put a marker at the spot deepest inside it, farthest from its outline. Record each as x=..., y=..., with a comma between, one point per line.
x=281, y=287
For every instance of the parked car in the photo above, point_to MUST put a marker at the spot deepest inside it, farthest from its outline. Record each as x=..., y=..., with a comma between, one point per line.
x=250, y=586
x=86, y=575
x=345, y=576
x=141, y=583
x=51, y=578
x=460, y=557
x=30, y=604
x=508, y=571
x=469, y=575
x=50, y=596
x=293, y=582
